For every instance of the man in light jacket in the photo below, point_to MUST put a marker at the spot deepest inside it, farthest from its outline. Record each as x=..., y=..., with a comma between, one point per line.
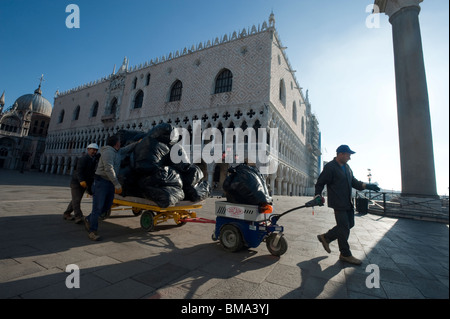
x=106, y=183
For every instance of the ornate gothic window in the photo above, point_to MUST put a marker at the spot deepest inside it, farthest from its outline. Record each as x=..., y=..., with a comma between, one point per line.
x=175, y=91
x=224, y=82
x=113, y=107
x=138, y=99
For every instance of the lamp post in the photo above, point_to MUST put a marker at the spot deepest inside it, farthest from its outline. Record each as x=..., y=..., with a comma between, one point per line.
x=369, y=176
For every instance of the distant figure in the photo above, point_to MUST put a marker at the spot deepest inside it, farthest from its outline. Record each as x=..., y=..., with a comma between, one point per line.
x=339, y=179
x=82, y=180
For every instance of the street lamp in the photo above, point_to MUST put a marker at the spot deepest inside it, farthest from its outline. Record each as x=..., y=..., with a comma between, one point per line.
x=369, y=176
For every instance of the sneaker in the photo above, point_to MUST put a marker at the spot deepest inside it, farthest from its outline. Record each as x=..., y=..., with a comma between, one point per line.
x=86, y=224
x=67, y=216
x=324, y=242
x=93, y=236
x=350, y=259
x=79, y=220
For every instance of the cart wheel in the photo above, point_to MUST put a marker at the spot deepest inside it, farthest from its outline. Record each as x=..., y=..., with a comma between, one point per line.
x=147, y=221
x=230, y=237
x=280, y=248
x=137, y=211
x=106, y=214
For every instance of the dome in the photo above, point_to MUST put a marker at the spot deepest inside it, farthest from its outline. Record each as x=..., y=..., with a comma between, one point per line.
x=36, y=101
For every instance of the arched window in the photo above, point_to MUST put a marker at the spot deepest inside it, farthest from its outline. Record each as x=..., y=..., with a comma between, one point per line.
x=282, y=92
x=76, y=113
x=147, y=80
x=138, y=99
x=175, y=91
x=94, y=109
x=294, y=112
x=113, y=106
x=61, y=116
x=224, y=82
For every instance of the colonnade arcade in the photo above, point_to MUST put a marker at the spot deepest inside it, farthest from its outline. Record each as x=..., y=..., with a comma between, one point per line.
x=64, y=148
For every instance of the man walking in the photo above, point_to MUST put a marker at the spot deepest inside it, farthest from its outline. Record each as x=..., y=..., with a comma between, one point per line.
x=82, y=179
x=106, y=183
x=339, y=179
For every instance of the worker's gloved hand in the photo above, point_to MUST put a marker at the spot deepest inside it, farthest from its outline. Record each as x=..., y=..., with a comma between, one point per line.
x=83, y=184
x=118, y=190
x=319, y=200
x=372, y=187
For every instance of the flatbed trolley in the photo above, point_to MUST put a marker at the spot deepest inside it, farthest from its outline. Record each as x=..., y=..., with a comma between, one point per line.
x=152, y=215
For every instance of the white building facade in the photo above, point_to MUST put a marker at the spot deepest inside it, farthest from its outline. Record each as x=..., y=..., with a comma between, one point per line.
x=241, y=80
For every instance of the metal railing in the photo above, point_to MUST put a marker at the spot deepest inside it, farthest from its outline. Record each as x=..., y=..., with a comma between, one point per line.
x=424, y=208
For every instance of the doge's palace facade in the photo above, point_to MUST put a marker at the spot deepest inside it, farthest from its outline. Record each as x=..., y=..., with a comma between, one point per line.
x=240, y=80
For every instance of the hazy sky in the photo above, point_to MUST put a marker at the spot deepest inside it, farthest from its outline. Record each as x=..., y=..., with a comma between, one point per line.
x=347, y=67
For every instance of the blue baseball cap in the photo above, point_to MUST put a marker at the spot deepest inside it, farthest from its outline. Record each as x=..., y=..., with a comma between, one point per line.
x=344, y=149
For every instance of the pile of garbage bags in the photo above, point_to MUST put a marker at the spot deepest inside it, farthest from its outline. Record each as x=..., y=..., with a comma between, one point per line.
x=244, y=184
x=148, y=171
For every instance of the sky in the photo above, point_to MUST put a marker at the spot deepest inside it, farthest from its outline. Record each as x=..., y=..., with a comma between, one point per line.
x=341, y=53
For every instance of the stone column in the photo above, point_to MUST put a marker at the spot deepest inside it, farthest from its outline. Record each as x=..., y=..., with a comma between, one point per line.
x=279, y=186
x=414, y=124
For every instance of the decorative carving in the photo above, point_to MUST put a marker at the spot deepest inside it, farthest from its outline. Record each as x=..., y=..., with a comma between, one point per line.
x=117, y=82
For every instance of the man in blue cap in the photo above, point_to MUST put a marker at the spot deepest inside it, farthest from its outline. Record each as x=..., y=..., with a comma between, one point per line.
x=339, y=179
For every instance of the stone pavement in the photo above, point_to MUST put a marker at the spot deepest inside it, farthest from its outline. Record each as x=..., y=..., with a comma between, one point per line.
x=36, y=245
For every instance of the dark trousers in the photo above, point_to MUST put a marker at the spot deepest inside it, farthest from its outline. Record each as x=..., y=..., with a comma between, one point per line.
x=102, y=199
x=345, y=220
x=75, y=204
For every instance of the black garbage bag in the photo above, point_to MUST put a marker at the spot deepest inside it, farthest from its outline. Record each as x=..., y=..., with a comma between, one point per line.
x=162, y=132
x=193, y=188
x=190, y=175
x=129, y=180
x=181, y=157
x=164, y=187
x=245, y=185
x=149, y=155
x=198, y=192
x=129, y=136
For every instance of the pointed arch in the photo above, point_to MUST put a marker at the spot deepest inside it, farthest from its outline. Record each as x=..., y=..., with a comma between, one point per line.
x=138, y=99
x=94, y=109
x=113, y=106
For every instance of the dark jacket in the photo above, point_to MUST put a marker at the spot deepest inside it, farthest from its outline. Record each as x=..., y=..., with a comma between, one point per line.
x=339, y=185
x=85, y=170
